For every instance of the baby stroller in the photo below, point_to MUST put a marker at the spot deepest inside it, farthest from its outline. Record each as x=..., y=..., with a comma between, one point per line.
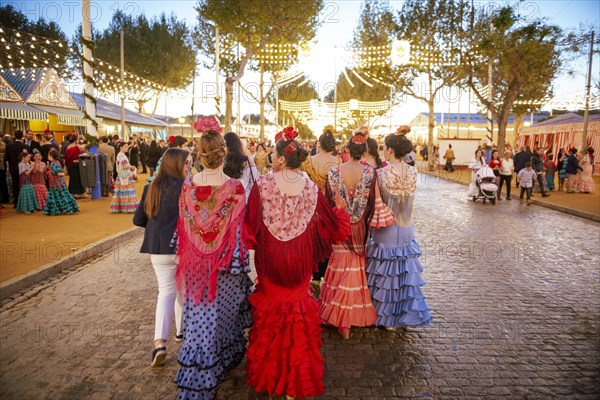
x=484, y=186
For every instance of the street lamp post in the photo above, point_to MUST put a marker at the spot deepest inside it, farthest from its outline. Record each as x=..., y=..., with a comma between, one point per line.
x=181, y=121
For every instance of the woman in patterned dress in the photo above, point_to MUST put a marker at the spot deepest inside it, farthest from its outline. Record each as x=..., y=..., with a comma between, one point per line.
x=125, y=198
x=317, y=167
x=212, y=273
x=345, y=300
x=26, y=202
x=393, y=266
x=38, y=179
x=59, y=199
x=291, y=227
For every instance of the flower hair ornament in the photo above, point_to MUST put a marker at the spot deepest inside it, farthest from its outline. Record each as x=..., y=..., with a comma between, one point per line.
x=329, y=128
x=358, y=138
x=288, y=133
x=403, y=130
x=206, y=124
x=171, y=139
x=363, y=130
x=290, y=148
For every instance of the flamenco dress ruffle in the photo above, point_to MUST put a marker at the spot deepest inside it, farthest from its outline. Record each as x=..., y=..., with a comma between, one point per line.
x=27, y=201
x=394, y=278
x=345, y=298
x=286, y=332
x=214, y=335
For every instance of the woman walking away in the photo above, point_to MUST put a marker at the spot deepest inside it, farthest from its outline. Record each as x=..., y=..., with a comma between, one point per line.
x=393, y=267
x=212, y=273
x=345, y=300
x=237, y=164
x=154, y=155
x=38, y=179
x=291, y=228
x=158, y=212
x=59, y=199
x=125, y=198
x=317, y=167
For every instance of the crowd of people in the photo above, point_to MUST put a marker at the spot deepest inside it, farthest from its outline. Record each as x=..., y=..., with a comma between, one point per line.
x=344, y=225
x=539, y=170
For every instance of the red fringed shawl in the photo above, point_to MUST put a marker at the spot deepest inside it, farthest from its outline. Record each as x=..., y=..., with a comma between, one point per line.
x=209, y=220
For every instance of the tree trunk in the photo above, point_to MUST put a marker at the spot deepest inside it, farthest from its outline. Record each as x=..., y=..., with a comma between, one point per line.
x=156, y=105
x=431, y=126
x=519, y=118
x=228, y=103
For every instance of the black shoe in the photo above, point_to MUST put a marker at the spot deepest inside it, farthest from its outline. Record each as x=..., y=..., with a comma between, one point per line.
x=179, y=338
x=508, y=198
x=545, y=195
x=158, y=356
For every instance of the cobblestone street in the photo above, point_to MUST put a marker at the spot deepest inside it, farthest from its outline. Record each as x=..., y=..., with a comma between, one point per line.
x=514, y=292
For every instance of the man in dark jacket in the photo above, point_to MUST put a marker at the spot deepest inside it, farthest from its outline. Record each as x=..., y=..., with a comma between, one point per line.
x=520, y=159
x=13, y=151
x=31, y=143
x=143, y=154
x=537, y=163
x=572, y=168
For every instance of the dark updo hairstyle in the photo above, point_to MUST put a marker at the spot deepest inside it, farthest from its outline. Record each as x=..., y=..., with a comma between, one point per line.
x=400, y=143
x=71, y=138
x=327, y=141
x=212, y=149
x=357, y=149
x=178, y=141
x=373, y=149
x=295, y=158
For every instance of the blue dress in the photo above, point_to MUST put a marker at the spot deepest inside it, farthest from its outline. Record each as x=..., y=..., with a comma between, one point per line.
x=393, y=265
x=214, y=334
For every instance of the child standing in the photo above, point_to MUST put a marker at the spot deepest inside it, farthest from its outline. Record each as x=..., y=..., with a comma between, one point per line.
x=550, y=168
x=526, y=177
x=27, y=201
x=59, y=199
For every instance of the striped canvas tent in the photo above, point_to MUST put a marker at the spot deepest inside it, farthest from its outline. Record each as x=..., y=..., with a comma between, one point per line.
x=564, y=131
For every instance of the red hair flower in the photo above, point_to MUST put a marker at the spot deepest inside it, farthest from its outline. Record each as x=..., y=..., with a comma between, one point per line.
x=403, y=130
x=289, y=133
x=278, y=136
x=206, y=124
x=358, y=139
x=290, y=148
x=171, y=139
x=203, y=193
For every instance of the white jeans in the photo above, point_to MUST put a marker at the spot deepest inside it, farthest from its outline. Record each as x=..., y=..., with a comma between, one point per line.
x=169, y=299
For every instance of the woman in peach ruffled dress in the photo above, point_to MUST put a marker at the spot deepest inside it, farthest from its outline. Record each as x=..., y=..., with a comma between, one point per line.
x=345, y=300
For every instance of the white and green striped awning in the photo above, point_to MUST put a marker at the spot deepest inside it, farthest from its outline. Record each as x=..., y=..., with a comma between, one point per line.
x=65, y=116
x=21, y=111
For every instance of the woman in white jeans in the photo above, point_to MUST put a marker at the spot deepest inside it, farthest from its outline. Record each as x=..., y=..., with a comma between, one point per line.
x=158, y=212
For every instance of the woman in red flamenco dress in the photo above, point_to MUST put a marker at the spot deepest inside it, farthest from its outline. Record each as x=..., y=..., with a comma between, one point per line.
x=291, y=227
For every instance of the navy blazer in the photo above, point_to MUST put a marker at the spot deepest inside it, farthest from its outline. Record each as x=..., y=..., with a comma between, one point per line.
x=159, y=231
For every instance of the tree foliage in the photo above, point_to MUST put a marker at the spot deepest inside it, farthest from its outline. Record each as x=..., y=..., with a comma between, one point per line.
x=525, y=59
x=160, y=49
x=253, y=24
x=432, y=28
x=13, y=20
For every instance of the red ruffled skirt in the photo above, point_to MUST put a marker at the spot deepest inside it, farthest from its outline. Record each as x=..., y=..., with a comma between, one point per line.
x=283, y=356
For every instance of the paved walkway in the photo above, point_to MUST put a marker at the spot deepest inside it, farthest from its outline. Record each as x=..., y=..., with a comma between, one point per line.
x=514, y=292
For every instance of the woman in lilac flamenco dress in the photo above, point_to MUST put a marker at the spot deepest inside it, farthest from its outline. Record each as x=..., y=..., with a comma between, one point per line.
x=393, y=266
